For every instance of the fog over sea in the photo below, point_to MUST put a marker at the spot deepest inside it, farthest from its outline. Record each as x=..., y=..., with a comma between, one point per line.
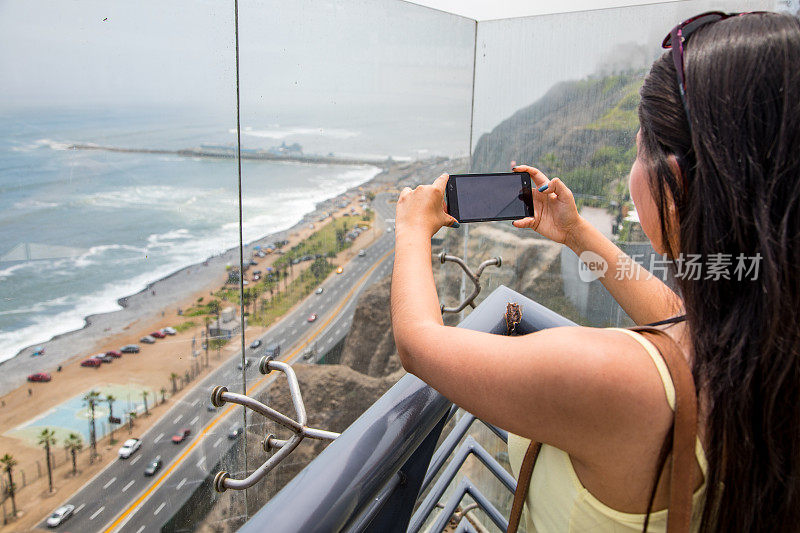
x=133, y=218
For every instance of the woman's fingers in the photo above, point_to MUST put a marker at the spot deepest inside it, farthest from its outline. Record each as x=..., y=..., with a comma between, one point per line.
x=441, y=182
x=538, y=177
x=560, y=191
x=527, y=222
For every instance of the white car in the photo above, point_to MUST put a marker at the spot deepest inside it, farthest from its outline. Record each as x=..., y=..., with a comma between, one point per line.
x=168, y=331
x=128, y=447
x=60, y=515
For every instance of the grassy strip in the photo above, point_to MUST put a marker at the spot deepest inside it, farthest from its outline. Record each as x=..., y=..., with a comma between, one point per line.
x=183, y=326
x=270, y=309
x=327, y=241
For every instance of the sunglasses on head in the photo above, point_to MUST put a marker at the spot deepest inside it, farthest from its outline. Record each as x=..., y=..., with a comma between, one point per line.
x=677, y=38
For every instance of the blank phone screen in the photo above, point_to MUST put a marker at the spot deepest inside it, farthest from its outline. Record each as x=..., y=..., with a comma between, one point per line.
x=490, y=197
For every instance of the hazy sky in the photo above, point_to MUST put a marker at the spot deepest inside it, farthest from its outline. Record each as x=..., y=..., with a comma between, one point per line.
x=321, y=52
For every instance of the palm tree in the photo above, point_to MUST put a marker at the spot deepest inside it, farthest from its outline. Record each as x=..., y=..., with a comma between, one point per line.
x=47, y=438
x=163, y=394
x=131, y=417
x=91, y=400
x=174, y=377
x=74, y=443
x=111, y=399
x=144, y=397
x=9, y=463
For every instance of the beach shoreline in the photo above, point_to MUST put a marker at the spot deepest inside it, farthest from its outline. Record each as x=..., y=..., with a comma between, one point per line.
x=169, y=292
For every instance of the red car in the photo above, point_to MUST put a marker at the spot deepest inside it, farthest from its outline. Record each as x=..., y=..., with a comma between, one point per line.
x=114, y=353
x=39, y=376
x=312, y=317
x=181, y=435
x=92, y=362
x=158, y=334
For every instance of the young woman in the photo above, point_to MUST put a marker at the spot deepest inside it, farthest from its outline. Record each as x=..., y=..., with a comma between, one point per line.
x=717, y=172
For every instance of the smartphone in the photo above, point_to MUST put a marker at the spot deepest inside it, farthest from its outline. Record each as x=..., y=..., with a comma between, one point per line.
x=487, y=197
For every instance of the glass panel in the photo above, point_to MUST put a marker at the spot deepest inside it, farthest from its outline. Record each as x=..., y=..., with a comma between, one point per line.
x=342, y=105
x=113, y=208
x=568, y=107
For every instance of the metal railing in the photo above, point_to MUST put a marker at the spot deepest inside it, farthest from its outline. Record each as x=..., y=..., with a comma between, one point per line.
x=371, y=477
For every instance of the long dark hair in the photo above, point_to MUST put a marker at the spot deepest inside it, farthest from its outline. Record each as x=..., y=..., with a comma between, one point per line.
x=738, y=194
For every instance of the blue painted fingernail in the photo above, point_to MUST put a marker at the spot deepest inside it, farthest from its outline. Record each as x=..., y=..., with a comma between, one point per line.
x=455, y=225
x=543, y=187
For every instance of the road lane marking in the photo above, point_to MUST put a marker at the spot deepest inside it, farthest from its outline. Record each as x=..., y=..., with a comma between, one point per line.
x=126, y=487
x=160, y=436
x=140, y=529
x=97, y=512
x=110, y=482
x=180, y=484
x=281, y=342
x=217, y=442
x=195, y=419
x=158, y=509
x=177, y=419
x=135, y=459
x=195, y=402
x=200, y=462
x=214, y=421
x=81, y=506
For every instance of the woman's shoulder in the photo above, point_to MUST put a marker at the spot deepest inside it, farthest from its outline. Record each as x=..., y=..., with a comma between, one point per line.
x=617, y=384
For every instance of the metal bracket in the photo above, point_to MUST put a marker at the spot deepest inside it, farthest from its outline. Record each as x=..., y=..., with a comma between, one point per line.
x=473, y=276
x=220, y=396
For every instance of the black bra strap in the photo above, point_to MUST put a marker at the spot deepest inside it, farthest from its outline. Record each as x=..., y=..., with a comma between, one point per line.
x=672, y=320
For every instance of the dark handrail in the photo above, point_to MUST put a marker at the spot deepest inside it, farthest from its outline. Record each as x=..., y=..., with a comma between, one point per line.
x=395, y=435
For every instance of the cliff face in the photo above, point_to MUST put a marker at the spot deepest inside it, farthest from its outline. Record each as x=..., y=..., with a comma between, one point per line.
x=369, y=347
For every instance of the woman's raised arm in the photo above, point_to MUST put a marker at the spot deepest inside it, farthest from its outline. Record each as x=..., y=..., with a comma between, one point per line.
x=644, y=297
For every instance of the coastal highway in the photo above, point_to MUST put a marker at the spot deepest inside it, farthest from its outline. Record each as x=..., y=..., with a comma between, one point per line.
x=121, y=498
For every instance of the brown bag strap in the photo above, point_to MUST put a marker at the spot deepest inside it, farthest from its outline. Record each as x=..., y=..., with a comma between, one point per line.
x=679, y=514
x=524, y=481
x=684, y=434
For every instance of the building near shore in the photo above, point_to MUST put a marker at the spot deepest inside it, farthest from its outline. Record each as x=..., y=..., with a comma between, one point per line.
x=226, y=326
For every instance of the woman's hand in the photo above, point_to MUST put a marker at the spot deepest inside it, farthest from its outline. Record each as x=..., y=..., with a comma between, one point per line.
x=555, y=214
x=423, y=209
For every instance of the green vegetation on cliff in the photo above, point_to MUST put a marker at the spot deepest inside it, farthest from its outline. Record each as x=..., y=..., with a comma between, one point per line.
x=581, y=131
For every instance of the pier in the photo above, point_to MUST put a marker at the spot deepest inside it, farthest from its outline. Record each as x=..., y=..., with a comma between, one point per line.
x=263, y=155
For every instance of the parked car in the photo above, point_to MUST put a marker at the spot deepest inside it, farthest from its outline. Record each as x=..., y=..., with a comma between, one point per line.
x=158, y=334
x=312, y=317
x=362, y=253
x=103, y=357
x=247, y=363
x=234, y=432
x=148, y=339
x=130, y=348
x=319, y=290
x=91, y=362
x=255, y=344
x=40, y=376
x=153, y=467
x=129, y=447
x=60, y=515
x=114, y=353
x=181, y=435
x=169, y=331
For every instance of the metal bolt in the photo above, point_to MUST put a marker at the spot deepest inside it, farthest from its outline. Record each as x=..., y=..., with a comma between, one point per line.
x=216, y=396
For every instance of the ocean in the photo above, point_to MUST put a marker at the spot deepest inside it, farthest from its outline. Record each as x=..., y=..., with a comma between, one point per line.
x=108, y=223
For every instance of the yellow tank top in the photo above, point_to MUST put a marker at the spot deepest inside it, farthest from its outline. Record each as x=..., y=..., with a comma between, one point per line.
x=562, y=503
